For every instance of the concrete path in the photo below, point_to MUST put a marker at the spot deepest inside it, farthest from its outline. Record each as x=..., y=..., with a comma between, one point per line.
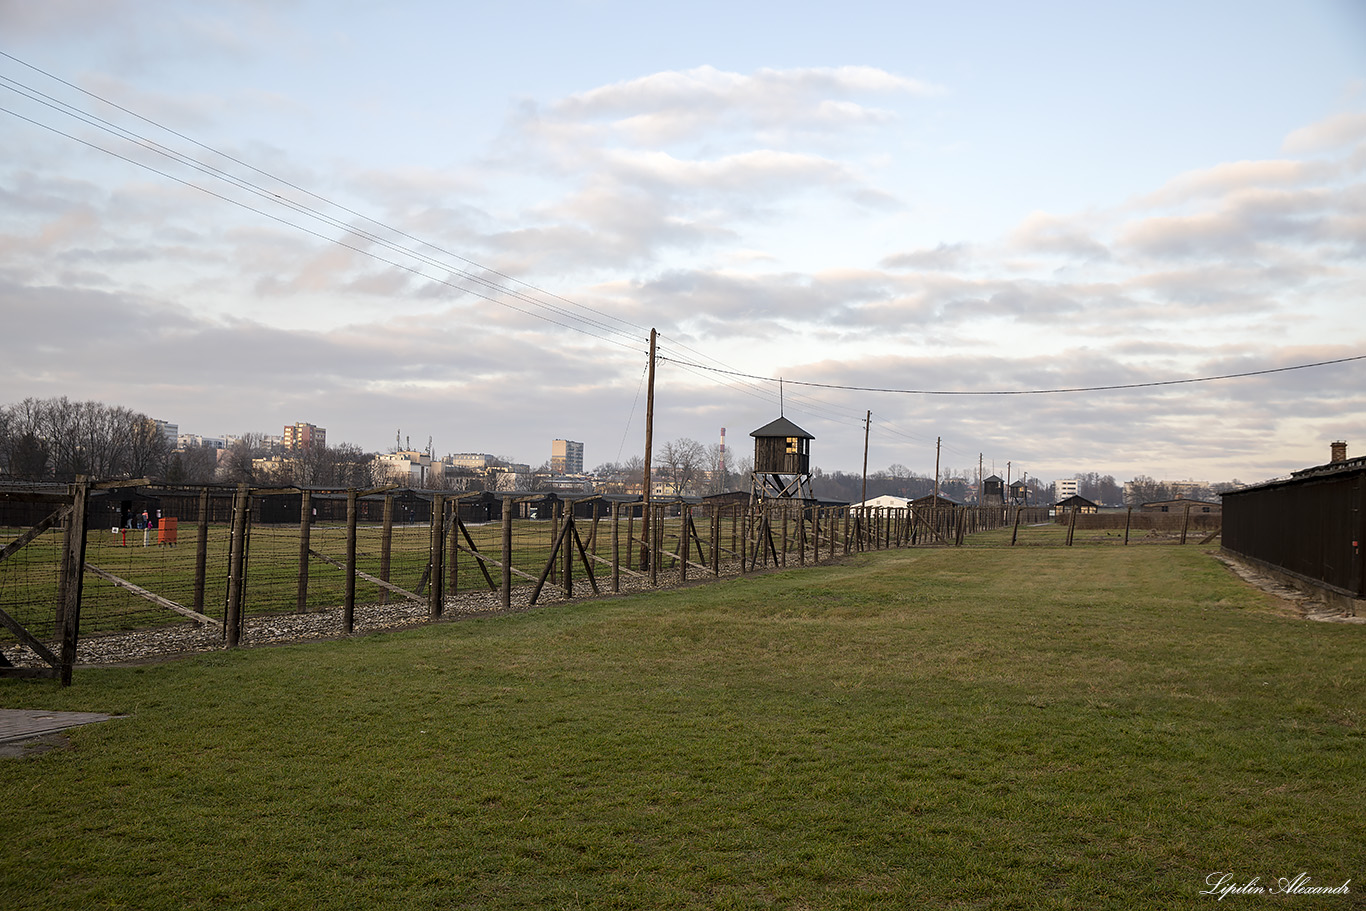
x=23, y=724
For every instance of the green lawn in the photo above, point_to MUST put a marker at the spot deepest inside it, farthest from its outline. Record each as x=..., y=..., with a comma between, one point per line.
x=950, y=728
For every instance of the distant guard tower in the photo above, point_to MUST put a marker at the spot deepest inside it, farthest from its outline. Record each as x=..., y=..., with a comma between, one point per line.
x=782, y=463
x=993, y=491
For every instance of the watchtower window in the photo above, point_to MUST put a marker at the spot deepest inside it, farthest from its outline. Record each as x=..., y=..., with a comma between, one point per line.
x=791, y=445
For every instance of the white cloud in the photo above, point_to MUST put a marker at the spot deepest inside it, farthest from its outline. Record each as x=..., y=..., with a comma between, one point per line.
x=665, y=107
x=1238, y=175
x=1335, y=132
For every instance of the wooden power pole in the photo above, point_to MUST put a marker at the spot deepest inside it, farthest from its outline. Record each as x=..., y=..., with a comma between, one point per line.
x=867, y=422
x=937, y=441
x=649, y=455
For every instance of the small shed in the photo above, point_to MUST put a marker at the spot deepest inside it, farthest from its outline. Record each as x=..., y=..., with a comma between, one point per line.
x=1078, y=504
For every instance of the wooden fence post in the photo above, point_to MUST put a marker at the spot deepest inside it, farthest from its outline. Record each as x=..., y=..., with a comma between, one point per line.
x=716, y=541
x=507, y=553
x=743, y=518
x=1128, y=518
x=452, y=551
x=815, y=534
x=386, y=546
x=1186, y=523
x=656, y=546
x=201, y=554
x=568, y=553
x=784, y=532
x=305, y=531
x=73, y=576
x=831, y=522
x=237, y=565
x=683, y=550
x=436, y=576
x=349, y=602
x=616, y=547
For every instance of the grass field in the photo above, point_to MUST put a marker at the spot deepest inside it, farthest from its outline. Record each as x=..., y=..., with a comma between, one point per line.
x=948, y=728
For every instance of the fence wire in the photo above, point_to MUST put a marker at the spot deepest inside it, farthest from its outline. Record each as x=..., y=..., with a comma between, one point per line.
x=423, y=554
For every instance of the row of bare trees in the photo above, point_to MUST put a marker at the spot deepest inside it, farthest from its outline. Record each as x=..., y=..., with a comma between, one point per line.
x=249, y=459
x=58, y=439
x=684, y=466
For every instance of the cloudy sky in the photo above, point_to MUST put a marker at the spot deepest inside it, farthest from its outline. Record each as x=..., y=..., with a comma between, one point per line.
x=461, y=220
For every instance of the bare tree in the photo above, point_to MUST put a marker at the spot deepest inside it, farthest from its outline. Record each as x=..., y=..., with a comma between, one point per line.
x=1144, y=489
x=59, y=438
x=682, y=460
x=236, y=465
x=192, y=465
x=147, y=448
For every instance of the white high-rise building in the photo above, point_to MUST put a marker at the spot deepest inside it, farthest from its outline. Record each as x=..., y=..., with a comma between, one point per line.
x=1066, y=487
x=566, y=457
x=169, y=432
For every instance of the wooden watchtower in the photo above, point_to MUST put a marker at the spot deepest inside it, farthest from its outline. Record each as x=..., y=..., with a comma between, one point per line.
x=782, y=462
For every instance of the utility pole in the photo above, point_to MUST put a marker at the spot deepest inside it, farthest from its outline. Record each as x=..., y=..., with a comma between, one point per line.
x=981, y=491
x=649, y=454
x=867, y=422
x=937, y=441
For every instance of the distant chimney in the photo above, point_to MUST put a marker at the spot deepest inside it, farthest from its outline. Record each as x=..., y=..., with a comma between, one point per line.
x=1340, y=451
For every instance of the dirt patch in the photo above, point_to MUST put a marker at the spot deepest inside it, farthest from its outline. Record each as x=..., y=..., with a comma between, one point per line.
x=35, y=746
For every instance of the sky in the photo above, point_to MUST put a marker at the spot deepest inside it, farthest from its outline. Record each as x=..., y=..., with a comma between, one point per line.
x=460, y=221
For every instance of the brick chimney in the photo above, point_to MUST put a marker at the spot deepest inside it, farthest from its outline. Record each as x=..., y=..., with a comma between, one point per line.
x=1339, y=451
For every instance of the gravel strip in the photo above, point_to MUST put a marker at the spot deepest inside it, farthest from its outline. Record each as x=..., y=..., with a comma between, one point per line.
x=165, y=642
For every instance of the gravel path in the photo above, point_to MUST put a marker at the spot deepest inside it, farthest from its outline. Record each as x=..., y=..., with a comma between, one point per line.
x=187, y=638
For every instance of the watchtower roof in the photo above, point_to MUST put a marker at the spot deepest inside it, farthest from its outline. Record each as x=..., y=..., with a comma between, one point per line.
x=782, y=427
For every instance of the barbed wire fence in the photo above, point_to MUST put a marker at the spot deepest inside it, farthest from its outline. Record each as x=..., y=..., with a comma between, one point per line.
x=217, y=567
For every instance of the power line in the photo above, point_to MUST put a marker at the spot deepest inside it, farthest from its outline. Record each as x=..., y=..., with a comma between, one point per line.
x=149, y=144
x=320, y=236
x=1073, y=389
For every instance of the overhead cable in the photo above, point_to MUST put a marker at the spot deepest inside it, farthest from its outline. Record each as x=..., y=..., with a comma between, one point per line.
x=1072, y=389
